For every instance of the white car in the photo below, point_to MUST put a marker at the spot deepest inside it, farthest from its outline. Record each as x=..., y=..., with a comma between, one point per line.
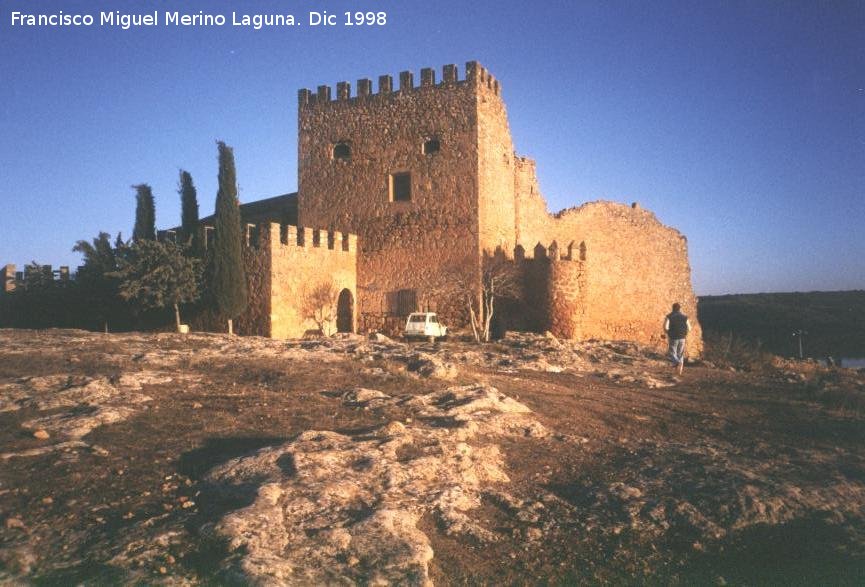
x=424, y=325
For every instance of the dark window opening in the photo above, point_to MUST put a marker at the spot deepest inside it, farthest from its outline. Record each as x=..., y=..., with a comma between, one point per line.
x=342, y=151
x=402, y=302
x=431, y=146
x=400, y=187
x=345, y=311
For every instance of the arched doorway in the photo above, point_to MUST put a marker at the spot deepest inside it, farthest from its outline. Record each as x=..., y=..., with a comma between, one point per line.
x=345, y=312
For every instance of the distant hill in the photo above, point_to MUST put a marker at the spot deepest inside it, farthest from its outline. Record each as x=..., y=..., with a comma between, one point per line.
x=834, y=322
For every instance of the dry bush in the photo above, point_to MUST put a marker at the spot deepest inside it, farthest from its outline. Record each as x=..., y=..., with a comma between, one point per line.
x=477, y=294
x=729, y=350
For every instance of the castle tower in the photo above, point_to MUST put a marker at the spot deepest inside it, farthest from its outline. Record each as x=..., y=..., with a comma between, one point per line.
x=554, y=291
x=422, y=173
x=566, y=293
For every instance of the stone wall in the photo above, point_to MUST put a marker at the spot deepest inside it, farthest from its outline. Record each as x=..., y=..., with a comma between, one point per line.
x=552, y=292
x=255, y=320
x=634, y=266
x=282, y=264
x=638, y=268
x=496, y=204
x=304, y=259
x=532, y=217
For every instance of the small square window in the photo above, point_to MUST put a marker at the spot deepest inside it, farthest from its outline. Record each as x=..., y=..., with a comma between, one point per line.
x=400, y=187
x=431, y=146
x=342, y=151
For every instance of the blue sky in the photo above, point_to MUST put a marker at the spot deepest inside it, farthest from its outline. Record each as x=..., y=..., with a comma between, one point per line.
x=742, y=124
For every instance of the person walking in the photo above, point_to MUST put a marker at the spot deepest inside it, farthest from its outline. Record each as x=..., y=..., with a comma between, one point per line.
x=677, y=327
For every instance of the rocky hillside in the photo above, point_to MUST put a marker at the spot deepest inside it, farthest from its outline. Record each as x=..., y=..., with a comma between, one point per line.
x=161, y=458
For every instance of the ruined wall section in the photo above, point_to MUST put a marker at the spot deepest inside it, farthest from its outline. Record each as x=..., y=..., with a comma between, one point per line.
x=636, y=268
x=405, y=244
x=496, y=206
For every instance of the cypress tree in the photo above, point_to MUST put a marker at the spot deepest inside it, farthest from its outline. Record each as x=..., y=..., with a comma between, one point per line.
x=145, y=214
x=229, y=278
x=189, y=210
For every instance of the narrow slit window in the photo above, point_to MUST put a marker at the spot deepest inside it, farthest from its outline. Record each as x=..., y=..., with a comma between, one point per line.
x=400, y=187
x=431, y=146
x=342, y=151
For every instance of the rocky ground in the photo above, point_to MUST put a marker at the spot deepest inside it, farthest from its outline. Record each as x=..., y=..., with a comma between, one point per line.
x=161, y=458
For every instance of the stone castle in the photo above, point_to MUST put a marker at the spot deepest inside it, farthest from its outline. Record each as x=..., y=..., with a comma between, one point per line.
x=401, y=188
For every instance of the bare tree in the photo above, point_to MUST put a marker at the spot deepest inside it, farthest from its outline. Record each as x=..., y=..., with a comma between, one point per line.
x=319, y=305
x=498, y=279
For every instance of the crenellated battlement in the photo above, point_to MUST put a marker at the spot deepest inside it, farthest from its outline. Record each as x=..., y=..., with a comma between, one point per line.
x=42, y=274
x=475, y=75
x=290, y=236
x=302, y=236
x=552, y=284
x=574, y=251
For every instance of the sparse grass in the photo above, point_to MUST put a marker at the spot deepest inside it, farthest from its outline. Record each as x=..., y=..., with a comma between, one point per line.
x=833, y=388
x=847, y=400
